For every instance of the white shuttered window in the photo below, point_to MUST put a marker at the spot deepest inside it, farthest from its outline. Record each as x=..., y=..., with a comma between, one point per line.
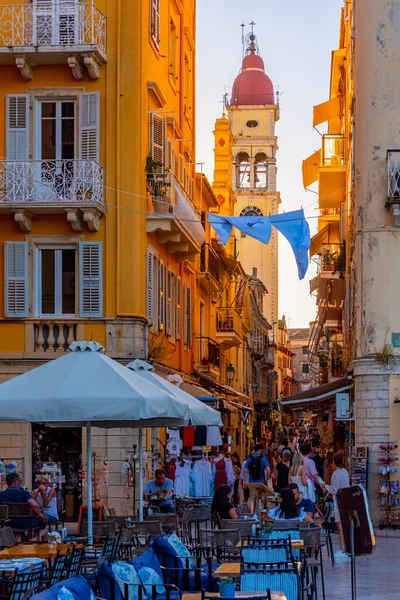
x=16, y=279
x=90, y=279
x=17, y=119
x=89, y=132
x=161, y=306
x=155, y=21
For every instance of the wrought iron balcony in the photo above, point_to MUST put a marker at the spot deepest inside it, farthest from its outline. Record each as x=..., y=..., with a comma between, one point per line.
x=174, y=216
x=50, y=33
x=229, y=327
x=208, y=356
x=53, y=186
x=208, y=276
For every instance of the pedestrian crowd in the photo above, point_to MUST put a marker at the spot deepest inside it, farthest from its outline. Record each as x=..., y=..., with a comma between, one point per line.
x=298, y=472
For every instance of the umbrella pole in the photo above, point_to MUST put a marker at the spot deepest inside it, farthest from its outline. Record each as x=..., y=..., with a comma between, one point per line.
x=89, y=480
x=140, y=474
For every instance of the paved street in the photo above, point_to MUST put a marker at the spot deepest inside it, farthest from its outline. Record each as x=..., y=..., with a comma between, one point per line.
x=376, y=574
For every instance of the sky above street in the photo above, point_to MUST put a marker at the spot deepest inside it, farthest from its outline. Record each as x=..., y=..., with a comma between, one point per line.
x=295, y=40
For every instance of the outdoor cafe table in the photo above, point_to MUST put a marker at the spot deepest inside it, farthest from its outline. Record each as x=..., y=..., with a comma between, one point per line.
x=35, y=551
x=238, y=595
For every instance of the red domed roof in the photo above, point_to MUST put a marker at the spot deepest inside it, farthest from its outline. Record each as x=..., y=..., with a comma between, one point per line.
x=252, y=85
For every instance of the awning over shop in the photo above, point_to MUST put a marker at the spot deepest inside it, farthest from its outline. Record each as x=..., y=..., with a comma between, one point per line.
x=326, y=111
x=198, y=392
x=310, y=168
x=316, y=395
x=229, y=406
x=327, y=235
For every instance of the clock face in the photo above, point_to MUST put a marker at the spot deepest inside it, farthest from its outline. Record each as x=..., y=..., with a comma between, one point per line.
x=251, y=211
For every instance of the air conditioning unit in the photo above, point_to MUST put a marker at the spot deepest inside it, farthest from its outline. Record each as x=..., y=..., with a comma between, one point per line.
x=344, y=410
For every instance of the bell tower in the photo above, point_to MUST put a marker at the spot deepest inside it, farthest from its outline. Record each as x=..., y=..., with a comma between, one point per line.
x=253, y=112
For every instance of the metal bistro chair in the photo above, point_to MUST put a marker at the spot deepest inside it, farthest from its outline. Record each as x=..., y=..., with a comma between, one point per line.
x=201, y=513
x=216, y=520
x=259, y=551
x=185, y=525
x=15, y=587
x=75, y=560
x=243, y=526
x=23, y=512
x=222, y=543
x=3, y=515
x=313, y=557
x=56, y=572
x=146, y=531
x=283, y=577
x=7, y=537
x=261, y=596
x=168, y=522
x=101, y=529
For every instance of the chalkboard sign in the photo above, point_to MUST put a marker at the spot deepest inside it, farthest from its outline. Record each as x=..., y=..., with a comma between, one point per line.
x=83, y=516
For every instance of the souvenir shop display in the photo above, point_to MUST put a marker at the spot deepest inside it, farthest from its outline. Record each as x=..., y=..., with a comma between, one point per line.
x=99, y=477
x=359, y=466
x=54, y=474
x=388, y=488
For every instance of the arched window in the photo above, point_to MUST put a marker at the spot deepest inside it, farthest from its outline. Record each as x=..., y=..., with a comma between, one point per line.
x=261, y=170
x=242, y=170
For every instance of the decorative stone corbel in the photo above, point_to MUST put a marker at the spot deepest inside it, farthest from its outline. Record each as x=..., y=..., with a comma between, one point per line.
x=92, y=218
x=25, y=66
x=23, y=218
x=74, y=217
x=76, y=65
x=93, y=66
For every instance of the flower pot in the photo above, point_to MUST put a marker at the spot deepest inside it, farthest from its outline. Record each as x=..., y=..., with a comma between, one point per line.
x=227, y=590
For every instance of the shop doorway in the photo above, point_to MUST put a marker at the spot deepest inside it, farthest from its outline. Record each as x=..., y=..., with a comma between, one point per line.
x=57, y=453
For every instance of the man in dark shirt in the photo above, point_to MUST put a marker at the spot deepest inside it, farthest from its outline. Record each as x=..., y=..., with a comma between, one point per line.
x=305, y=504
x=15, y=494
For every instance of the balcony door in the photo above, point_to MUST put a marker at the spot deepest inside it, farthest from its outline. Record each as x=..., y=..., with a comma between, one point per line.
x=56, y=149
x=55, y=22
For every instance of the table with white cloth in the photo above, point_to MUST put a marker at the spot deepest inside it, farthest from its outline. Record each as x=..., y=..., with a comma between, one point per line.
x=22, y=565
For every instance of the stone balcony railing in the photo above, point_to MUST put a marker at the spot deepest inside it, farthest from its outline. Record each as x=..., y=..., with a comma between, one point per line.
x=53, y=336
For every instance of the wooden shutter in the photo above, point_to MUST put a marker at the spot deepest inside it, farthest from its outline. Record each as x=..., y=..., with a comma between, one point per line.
x=16, y=279
x=149, y=285
x=168, y=316
x=185, y=320
x=155, y=21
x=90, y=279
x=157, y=138
x=156, y=292
x=89, y=130
x=180, y=168
x=189, y=316
x=161, y=306
x=178, y=308
x=17, y=119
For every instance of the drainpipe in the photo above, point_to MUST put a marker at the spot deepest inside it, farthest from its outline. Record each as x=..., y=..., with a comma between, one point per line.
x=118, y=156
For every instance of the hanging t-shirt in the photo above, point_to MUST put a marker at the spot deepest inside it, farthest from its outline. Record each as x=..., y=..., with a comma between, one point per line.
x=202, y=478
x=188, y=436
x=200, y=436
x=182, y=474
x=213, y=436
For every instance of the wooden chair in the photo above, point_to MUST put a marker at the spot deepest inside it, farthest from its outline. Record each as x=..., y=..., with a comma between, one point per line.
x=3, y=515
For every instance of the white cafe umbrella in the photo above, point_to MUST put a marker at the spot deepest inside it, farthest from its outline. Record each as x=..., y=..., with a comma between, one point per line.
x=199, y=413
x=85, y=388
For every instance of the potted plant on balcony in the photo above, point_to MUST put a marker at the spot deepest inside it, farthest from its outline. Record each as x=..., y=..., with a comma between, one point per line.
x=158, y=185
x=327, y=259
x=340, y=261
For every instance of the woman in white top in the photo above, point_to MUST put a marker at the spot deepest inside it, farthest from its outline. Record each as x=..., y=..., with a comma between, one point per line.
x=45, y=496
x=297, y=474
x=340, y=479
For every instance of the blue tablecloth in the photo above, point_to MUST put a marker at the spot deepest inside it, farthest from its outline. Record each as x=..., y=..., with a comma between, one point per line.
x=23, y=565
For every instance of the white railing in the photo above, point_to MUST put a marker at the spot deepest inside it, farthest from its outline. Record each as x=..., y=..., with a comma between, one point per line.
x=51, y=181
x=169, y=197
x=54, y=336
x=50, y=24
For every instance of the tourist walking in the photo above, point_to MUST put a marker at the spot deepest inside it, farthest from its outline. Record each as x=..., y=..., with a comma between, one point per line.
x=340, y=479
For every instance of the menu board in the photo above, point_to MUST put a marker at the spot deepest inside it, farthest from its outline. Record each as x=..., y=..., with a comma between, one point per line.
x=359, y=466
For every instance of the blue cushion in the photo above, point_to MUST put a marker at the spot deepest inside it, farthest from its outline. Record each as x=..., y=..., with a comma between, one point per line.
x=127, y=572
x=65, y=594
x=150, y=578
x=105, y=580
x=147, y=559
x=78, y=586
x=171, y=545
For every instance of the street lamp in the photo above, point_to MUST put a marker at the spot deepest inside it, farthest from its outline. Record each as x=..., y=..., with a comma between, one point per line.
x=230, y=373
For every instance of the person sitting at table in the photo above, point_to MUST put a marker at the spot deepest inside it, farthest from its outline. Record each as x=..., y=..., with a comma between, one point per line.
x=15, y=494
x=302, y=503
x=288, y=509
x=161, y=487
x=222, y=503
x=45, y=496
